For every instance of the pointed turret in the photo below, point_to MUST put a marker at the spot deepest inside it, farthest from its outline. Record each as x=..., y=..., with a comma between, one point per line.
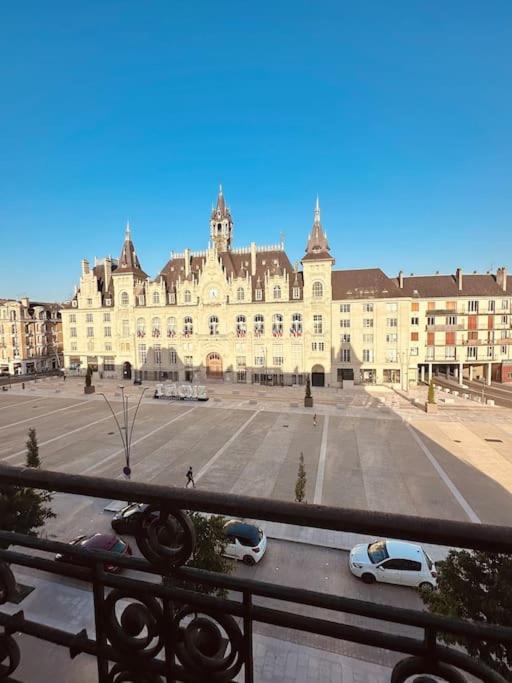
x=318, y=247
x=129, y=261
x=221, y=224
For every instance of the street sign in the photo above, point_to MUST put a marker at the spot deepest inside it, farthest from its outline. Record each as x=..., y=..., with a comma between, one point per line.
x=127, y=471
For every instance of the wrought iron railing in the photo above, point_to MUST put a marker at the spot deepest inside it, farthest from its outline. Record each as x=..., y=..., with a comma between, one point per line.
x=166, y=632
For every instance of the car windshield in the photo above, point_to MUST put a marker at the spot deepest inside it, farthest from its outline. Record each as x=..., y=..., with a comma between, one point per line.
x=429, y=561
x=377, y=552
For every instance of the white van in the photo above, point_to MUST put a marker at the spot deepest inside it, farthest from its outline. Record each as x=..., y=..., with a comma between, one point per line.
x=398, y=562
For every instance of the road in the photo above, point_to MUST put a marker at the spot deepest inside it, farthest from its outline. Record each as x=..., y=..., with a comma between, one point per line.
x=501, y=394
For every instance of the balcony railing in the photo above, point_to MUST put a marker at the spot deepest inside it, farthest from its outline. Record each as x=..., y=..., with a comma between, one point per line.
x=170, y=633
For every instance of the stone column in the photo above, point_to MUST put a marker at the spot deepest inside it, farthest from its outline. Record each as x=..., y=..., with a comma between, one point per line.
x=429, y=372
x=489, y=373
x=470, y=373
x=461, y=373
x=422, y=371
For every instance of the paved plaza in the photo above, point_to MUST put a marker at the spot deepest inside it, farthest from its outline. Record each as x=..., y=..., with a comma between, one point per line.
x=372, y=449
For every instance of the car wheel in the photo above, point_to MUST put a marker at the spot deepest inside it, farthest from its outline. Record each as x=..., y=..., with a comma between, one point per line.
x=368, y=578
x=426, y=586
x=249, y=560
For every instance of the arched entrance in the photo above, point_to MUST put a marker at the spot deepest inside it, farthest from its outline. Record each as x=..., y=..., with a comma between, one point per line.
x=318, y=376
x=213, y=366
x=127, y=370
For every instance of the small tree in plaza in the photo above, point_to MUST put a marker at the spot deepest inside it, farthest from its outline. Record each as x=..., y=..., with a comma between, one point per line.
x=431, y=393
x=476, y=586
x=32, y=449
x=210, y=544
x=24, y=510
x=300, y=486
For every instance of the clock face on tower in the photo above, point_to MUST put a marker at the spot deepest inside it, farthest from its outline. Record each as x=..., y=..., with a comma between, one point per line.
x=213, y=293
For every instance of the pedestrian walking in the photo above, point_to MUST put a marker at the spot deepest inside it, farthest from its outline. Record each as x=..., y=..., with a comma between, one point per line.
x=190, y=478
x=314, y=420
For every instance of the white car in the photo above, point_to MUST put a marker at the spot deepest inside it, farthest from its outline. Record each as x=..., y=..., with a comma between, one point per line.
x=245, y=542
x=398, y=562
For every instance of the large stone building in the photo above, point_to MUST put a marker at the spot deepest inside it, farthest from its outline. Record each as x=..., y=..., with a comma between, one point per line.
x=30, y=336
x=247, y=315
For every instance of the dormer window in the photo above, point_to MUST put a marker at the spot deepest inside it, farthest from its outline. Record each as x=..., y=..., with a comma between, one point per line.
x=172, y=298
x=187, y=296
x=296, y=293
x=277, y=292
x=259, y=294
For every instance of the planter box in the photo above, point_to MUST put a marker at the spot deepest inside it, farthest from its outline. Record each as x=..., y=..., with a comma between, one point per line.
x=89, y=390
x=308, y=402
x=430, y=407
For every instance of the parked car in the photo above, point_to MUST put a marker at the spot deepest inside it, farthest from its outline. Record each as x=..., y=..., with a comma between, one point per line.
x=245, y=542
x=96, y=542
x=398, y=562
x=127, y=520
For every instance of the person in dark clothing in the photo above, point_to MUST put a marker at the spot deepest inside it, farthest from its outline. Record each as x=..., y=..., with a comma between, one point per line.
x=190, y=478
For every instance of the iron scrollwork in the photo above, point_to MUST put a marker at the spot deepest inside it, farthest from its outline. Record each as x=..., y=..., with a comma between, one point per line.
x=209, y=646
x=166, y=537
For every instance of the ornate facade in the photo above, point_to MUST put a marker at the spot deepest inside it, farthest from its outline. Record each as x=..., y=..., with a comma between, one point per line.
x=247, y=315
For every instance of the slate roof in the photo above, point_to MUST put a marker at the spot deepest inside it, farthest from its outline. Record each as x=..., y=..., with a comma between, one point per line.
x=236, y=265
x=365, y=283
x=446, y=286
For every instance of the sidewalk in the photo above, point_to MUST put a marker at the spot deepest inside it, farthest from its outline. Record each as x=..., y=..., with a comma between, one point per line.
x=340, y=540
x=279, y=661
x=71, y=608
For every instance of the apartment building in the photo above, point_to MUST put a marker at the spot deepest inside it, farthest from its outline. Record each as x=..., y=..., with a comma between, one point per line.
x=30, y=336
x=247, y=315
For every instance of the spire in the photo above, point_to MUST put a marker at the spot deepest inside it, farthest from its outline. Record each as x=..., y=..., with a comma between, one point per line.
x=221, y=223
x=129, y=261
x=317, y=242
x=317, y=211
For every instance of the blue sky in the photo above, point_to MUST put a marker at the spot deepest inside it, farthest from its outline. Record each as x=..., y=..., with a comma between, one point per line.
x=399, y=114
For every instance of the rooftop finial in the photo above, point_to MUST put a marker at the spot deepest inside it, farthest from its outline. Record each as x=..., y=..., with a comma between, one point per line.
x=220, y=188
x=127, y=233
x=317, y=210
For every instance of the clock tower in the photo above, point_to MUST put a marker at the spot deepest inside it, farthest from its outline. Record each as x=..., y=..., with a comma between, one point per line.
x=221, y=224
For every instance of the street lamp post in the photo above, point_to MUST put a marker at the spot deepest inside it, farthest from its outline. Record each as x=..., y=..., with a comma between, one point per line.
x=125, y=430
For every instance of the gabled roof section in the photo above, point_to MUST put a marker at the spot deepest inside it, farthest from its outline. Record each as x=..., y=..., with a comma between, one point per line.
x=447, y=286
x=366, y=283
x=317, y=248
x=129, y=261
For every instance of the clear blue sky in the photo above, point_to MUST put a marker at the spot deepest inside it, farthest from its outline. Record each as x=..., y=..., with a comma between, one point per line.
x=399, y=114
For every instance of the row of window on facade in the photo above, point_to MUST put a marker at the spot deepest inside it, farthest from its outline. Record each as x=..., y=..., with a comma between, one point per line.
x=213, y=326
x=317, y=292
x=474, y=306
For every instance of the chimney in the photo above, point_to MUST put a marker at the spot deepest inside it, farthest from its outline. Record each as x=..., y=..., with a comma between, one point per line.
x=107, y=263
x=253, y=258
x=24, y=301
x=186, y=255
x=85, y=266
x=501, y=278
x=401, y=279
x=458, y=275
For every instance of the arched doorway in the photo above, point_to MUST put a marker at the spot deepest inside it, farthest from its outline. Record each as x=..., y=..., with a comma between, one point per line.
x=318, y=376
x=127, y=370
x=213, y=366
